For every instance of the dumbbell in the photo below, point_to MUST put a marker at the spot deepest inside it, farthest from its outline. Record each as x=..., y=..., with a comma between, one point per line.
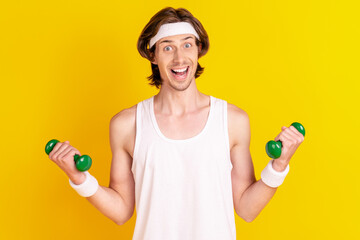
x=273, y=149
x=83, y=163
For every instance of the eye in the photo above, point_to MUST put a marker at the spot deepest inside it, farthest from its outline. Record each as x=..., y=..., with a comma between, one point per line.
x=187, y=45
x=167, y=48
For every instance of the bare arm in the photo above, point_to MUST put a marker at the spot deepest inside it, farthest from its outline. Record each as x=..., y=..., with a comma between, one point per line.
x=251, y=196
x=118, y=200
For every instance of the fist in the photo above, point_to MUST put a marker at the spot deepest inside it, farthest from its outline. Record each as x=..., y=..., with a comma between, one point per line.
x=63, y=156
x=291, y=140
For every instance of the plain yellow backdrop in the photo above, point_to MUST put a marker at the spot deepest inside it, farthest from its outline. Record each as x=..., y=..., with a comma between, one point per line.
x=66, y=67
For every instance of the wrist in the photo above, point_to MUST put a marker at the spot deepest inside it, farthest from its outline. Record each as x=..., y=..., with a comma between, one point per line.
x=272, y=177
x=77, y=178
x=88, y=187
x=279, y=165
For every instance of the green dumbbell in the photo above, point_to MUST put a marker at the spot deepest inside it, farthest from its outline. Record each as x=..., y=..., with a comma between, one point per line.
x=273, y=149
x=83, y=163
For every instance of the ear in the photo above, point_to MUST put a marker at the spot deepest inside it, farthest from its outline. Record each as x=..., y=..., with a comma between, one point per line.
x=199, y=49
x=154, y=61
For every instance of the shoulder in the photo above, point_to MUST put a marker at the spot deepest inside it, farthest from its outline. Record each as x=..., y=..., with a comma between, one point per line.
x=236, y=114
x=123, y=129
x=238, y=125
x=124, y=117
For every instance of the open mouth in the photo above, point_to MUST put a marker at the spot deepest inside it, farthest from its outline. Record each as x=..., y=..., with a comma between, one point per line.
x=180, y=73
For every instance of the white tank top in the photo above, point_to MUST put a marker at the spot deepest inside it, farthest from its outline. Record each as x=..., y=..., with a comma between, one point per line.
x=183, y=187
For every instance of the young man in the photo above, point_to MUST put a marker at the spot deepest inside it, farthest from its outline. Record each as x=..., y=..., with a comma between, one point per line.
x=181, y=156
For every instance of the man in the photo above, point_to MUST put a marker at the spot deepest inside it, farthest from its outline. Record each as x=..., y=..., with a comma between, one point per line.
x=181, y=156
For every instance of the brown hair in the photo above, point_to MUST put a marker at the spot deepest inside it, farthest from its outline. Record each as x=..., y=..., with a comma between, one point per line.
x=170, y=15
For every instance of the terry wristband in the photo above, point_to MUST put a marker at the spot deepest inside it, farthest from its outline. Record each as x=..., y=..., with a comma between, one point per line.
x=88, y=187
x=273, y=178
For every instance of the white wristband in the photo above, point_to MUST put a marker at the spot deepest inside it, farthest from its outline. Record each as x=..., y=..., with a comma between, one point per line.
x=273, y=178
x=87, y=188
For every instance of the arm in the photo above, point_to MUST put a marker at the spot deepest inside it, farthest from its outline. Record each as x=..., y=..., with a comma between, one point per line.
x=251, y=196
x=118, y=200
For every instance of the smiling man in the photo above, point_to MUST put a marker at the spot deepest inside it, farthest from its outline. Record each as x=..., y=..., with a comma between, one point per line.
x=187, y=57
x=181, y=157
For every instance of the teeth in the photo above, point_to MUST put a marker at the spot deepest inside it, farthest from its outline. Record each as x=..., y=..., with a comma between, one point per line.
x=179, y=70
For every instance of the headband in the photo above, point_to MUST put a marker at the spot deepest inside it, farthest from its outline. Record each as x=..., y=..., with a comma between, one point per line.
x=171, y=29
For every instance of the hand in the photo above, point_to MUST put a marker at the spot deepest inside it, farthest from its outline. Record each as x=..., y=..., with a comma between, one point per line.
x=63, y=156
x=291, y=140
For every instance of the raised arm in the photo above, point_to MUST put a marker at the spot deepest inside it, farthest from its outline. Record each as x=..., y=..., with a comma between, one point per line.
x=118, y=200
x=251, y=196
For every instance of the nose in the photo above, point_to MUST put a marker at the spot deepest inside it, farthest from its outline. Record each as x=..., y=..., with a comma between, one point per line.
x=179, y=56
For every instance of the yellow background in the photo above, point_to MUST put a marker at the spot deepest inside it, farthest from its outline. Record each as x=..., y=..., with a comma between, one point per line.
x=66, y=67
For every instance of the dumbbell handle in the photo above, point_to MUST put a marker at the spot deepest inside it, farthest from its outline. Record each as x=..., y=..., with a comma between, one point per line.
x=83, y=163
x=273, y=149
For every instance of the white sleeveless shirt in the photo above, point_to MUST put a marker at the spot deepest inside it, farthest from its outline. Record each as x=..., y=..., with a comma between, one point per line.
x=183, y=187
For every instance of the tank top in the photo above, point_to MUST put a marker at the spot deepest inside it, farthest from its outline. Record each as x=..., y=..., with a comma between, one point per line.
x=183, y=187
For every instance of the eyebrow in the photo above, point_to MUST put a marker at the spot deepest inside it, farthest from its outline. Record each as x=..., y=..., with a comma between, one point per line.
x=169, y=41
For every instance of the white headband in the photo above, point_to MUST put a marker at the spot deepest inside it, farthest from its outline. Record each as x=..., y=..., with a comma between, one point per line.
x=171, y=29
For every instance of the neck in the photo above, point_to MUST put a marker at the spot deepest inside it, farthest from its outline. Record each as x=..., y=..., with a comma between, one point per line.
x=177, y=103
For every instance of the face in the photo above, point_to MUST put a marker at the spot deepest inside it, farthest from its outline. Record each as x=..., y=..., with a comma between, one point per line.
x=177, y=57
